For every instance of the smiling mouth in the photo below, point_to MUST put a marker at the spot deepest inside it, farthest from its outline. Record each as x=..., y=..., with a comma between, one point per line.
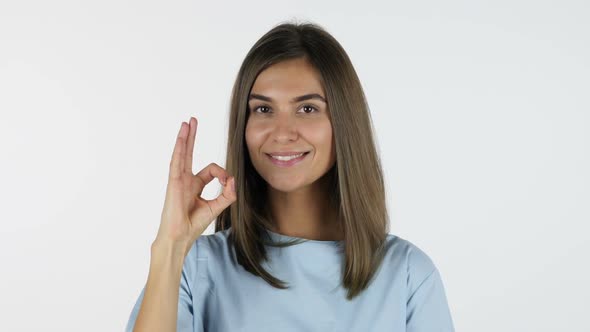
x=287, y=161
x=287, y=158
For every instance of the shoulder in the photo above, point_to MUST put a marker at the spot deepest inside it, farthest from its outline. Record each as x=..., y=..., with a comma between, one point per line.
x=426, y=303
x=207, y=250
x=208, y=245
x=409, y=259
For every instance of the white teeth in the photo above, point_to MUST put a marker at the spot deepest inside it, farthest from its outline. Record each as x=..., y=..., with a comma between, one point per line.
x=287, y=158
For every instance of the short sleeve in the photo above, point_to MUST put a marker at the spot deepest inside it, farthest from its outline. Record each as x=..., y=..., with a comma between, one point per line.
x=185, y=318
x=427, y=307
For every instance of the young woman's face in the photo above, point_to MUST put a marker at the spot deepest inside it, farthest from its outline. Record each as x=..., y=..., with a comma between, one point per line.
x=280, y=122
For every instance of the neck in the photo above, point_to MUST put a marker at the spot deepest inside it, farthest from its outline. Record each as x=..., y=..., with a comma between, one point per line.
x=305, y=213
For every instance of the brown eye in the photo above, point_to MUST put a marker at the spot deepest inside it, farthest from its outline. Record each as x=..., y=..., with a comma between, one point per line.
x=256, y=109
x=310, y=108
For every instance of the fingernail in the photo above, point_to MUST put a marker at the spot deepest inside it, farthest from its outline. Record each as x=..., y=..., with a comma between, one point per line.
x=233, y=184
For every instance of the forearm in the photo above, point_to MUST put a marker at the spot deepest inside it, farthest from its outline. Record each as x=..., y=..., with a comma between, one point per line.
x=159, y=307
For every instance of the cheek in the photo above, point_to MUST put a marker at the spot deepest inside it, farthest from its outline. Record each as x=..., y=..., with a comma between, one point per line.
x=253, y=135
x=320, y=135
x=248, y=137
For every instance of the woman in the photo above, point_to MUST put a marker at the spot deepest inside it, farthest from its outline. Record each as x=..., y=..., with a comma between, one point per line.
x=301, y=243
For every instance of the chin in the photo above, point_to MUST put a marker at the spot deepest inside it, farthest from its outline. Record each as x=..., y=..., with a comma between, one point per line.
x=286, y=185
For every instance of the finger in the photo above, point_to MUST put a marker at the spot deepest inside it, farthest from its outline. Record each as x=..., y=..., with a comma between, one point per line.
x=190, y=145
x=178, y=155
x=225, y=199
x=210, y=172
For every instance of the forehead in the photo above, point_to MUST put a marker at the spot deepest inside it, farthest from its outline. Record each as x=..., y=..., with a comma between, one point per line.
x=288, y=78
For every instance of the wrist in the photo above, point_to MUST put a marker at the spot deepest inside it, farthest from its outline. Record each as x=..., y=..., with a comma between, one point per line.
x=166, y=251
x=166, y=245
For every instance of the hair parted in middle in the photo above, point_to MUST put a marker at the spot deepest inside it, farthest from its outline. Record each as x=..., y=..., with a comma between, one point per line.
x=355, y=181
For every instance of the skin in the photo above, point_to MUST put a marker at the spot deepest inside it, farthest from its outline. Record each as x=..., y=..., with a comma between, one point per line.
x=184, y=218
x=297, y=196
x=298, y=200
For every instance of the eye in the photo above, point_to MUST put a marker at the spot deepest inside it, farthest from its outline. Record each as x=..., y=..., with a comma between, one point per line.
x=313, y=109
x=256, y=109
x=310, y=109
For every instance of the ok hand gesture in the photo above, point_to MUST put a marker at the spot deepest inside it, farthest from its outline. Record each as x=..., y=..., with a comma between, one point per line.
x=186, y=215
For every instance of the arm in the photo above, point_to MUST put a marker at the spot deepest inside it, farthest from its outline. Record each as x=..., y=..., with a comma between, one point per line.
x=160, y=305
x=427, y=307
x=166, y=297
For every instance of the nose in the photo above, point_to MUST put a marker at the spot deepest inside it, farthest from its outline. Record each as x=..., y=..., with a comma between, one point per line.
x=285, y=128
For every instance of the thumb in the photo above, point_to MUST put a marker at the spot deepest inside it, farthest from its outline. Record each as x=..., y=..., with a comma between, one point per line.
x=225, y=199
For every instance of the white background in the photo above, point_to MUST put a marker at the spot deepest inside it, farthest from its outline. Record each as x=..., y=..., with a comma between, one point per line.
x=481, y=111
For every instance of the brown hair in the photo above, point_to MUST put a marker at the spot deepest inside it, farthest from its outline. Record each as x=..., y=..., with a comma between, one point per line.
x=356, y=178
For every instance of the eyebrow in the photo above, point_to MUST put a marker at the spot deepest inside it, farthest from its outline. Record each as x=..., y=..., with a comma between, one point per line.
x=294, y=100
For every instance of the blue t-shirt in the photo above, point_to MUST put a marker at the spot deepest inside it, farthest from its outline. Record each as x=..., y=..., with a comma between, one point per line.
x=218, y=294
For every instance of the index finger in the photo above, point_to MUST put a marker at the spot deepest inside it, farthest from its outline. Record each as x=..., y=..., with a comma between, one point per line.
x=210, y=172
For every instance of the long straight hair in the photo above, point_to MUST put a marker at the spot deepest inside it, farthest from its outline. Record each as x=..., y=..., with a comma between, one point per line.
x=356, y=179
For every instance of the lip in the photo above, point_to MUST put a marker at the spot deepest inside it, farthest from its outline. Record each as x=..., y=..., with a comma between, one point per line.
x=287, y=153
x=287, y=163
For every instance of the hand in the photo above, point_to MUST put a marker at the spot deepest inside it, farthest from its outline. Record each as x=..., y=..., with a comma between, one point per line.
x=186, y=215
